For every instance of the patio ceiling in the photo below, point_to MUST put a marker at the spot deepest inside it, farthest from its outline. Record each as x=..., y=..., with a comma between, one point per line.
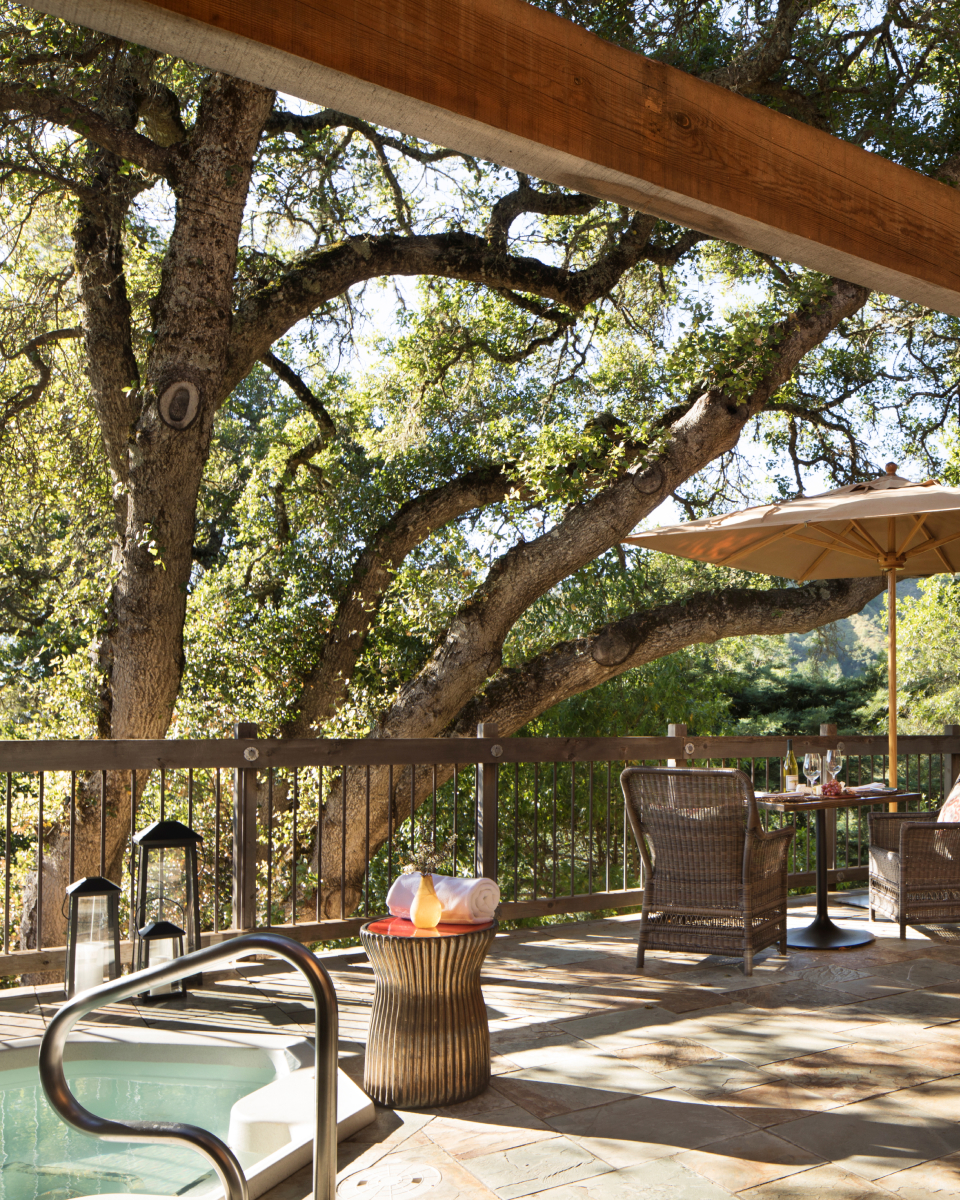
x=504, y=81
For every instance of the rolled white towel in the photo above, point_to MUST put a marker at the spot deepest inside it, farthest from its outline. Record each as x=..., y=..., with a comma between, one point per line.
x=464, y=901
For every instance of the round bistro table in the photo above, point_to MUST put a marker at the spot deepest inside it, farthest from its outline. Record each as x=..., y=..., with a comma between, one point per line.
x=429, y=1039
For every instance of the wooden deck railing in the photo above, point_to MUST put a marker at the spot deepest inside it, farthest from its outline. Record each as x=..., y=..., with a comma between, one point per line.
x=544, y=816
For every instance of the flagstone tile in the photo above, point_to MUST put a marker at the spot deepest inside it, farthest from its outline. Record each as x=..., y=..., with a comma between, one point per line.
x=502, y=1129
x=488, y=1101
x=871, y=987
x=685, y=1000
x=664, y=1179
x=938, y=1099
x=765, y=1043
x=748, y=1160
x=777, y=1103
x=531, y=1051
x=799, y=993
x=939, y=1177
x=819, y=1183
x=923, y=1007
x=614, y=1030
x=667, y=1055
x=535, y=1168
x=453, y=1180
x=935, y=1058
x=856, y=1071
x=719, y=1076
x=924, y=972
x=654, y=1125
x=391, y=1125
x=875, y=1137
x=894, y=1036
x=833, y=974
x=575, y=1082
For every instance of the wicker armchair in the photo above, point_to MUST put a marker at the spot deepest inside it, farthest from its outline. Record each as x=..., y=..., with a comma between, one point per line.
x=914, y=868
x=714, y=880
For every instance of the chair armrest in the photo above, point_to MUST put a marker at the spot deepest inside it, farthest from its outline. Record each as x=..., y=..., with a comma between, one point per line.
x=769, y=852
x=885, y=827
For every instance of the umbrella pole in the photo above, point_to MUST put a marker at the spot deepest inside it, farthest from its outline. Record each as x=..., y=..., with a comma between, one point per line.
x=892, y=680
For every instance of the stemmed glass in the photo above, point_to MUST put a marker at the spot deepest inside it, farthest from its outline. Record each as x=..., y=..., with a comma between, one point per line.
x=811, y=768
x=833, y=763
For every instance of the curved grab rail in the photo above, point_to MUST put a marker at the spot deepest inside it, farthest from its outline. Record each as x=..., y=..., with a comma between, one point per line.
x=231, y=1175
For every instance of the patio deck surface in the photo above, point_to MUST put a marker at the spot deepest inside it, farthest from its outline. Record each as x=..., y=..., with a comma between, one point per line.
x=825, y=1074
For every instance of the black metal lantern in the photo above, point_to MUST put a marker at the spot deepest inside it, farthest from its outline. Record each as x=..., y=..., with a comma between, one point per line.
x=167, y=879
x=93, y=933
x=160, y=942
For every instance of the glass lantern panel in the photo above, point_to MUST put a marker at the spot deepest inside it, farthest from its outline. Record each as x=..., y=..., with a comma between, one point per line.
x=94, y=937
x=162, y=950
x=166, y=884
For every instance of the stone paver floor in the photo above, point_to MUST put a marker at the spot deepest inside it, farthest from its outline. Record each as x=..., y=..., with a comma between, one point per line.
x=824, y=1075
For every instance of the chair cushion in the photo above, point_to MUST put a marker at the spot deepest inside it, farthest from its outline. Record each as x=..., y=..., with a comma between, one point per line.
x=951, y=806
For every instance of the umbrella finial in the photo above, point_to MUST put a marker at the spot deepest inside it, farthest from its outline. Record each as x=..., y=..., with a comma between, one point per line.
x=891, y=468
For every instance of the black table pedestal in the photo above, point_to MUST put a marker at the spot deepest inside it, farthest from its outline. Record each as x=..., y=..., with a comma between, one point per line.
x=822, y=933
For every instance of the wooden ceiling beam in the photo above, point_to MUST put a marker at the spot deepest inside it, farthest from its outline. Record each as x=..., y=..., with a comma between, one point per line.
x=507, y=82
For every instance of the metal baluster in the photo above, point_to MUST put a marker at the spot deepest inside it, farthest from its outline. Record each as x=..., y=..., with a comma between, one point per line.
x=343, y=841
x=40, y=866
x=366, y=872
x=606, y=873
x=103, y=823
x=516, y=831
x=293, y=862
x=573, y=829
x=216, y=856
x=6, y=865
x=269, y=920
x=536, y=830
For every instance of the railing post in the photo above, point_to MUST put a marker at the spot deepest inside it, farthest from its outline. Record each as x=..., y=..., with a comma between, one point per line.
x=485, y=854
x=830, y=814
x=951, y=761
x=679, y=731
x=245, y=837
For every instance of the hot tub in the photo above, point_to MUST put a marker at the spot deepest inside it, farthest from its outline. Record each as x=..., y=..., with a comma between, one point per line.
x=255, y=1091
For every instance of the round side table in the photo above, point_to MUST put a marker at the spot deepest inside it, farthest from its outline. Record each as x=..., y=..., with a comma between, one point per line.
x=429, y=1040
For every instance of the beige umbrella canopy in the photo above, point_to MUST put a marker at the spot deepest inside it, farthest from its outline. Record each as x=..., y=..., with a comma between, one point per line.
x=888, y=525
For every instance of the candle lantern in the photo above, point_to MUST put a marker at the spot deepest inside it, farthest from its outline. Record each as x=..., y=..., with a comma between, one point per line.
x=160, y=942
x=167, y=880
x=93, y=933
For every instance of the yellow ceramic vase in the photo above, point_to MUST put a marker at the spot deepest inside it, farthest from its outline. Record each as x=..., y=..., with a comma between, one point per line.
x=426, y=907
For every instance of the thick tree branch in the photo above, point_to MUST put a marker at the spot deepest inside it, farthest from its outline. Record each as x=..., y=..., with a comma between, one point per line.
x=470, y=650
x=309, y=124
x=268, y=314
x=324, y=688
x=754, y=67
x=61, y=110
x=516, y=697
x=527, y=200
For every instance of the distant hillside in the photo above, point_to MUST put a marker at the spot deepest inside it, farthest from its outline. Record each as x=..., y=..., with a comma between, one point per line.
x=855, y=642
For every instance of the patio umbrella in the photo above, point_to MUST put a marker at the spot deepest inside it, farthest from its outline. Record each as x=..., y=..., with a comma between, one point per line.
x=887, y=525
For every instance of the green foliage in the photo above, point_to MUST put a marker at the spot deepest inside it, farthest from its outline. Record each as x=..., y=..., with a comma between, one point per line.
x=777, y=698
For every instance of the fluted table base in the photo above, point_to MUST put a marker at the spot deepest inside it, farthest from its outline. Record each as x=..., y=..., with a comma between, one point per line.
x=429, y=1041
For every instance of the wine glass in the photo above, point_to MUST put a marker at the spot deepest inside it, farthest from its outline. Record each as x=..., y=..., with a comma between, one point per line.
x=811, y=768
x=833, y=763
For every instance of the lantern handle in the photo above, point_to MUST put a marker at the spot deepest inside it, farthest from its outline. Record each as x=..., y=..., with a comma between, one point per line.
x=66, y=1105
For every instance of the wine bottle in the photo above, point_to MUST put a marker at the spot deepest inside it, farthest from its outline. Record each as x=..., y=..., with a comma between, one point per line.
x=791, y=772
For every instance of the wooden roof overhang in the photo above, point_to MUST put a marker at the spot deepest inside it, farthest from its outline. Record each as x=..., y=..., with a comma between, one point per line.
x=505, y=81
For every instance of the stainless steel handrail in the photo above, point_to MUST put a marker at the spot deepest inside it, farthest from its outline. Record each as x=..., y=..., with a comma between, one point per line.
x=224, y=1160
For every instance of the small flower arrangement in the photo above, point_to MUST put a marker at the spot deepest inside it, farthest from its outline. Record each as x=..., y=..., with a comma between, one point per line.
x=426, y=856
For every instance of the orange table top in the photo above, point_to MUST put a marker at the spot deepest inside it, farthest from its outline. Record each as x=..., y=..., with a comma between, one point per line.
x=401, y=927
